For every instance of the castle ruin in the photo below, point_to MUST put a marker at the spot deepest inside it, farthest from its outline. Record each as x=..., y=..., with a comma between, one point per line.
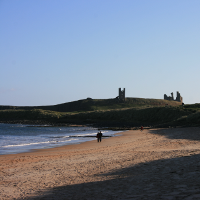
x=171, y=98
x=121, y=96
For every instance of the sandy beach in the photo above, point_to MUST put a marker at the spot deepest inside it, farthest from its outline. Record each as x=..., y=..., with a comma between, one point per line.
x=152, y=164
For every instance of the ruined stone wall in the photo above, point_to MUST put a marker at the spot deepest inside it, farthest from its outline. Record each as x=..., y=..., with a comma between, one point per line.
x=171, y=98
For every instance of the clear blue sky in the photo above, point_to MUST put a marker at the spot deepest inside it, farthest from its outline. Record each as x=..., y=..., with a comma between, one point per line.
x=53, y=52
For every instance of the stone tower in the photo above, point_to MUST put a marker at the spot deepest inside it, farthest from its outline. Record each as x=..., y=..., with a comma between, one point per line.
x=179, y=97
x=122, y=95
x=172, y=95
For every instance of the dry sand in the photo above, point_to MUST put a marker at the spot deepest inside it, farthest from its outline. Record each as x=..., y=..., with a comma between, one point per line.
x=153, y=164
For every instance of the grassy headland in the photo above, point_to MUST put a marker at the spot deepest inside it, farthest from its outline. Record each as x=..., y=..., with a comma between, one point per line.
x=109, y=112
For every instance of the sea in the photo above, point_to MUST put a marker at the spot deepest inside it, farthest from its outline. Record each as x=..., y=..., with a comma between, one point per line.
x=19, y=138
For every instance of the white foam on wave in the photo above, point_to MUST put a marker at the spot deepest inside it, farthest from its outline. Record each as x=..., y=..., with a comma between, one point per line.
x=90, y=134
x=38, y=143
x=20, y=145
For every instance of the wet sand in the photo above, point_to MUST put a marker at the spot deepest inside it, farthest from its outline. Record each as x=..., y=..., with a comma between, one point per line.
x=152, y=164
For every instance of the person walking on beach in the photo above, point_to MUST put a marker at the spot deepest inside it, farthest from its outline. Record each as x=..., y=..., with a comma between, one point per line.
x=99, y=136
x=141, y=128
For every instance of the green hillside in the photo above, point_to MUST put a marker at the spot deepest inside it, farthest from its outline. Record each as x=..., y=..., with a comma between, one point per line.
x=146, y=116
x=126, y=117
x=97, y=104
x=108, y=113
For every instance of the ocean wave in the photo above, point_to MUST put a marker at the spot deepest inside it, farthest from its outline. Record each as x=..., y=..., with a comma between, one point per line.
x=20, y=145
x=37, y=143
x=67, y=136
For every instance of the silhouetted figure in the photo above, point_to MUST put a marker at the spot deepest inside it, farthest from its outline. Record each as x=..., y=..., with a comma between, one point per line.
x=99, y=136
x=141, y=128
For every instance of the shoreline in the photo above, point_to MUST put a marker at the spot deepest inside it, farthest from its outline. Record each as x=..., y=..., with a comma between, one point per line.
x=65, y=147
x=62, y=146
x=45, y=138
x=156, y=163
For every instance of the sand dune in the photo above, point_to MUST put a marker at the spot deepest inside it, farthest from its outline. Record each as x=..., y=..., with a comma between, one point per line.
x=153, y=164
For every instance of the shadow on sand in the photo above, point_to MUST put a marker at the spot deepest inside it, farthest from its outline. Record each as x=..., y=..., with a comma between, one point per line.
x=192, y=133
x=177, y=178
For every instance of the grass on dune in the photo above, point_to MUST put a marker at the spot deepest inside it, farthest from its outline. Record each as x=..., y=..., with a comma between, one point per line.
x=135, y=110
